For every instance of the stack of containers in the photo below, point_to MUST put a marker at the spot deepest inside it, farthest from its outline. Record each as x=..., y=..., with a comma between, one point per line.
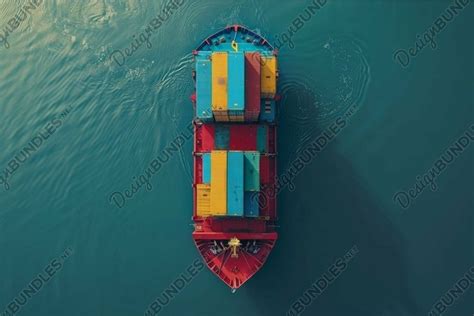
x=218, y=182
x=252, y=86
x=206, y=168
x=268, y=76
x=262, y=138
x=236, y=86
x=251, y=183
x=203, y=87
x=219, y=86
x=203, y=198
x=235, y=183
x=230, y=184
x=268, y=111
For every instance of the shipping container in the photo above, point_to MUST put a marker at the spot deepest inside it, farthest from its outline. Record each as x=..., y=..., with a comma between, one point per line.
x=198, y=169
x=206, y=168
x=262, y=138
x=203, y=88
x=252, y=86
x=197, y=178
x=235, y=183
x=251, y=204
x=243, y=137
x=219, y=182
x=204, y=135
x=251, y=116
x=203, y=206
x=267, y=201
x=221, y=116
x=268, y=111
x=221, y=139
x=268, y=76
x=271, y=145
x=251, y=171
x=237, y=117
x=236, y=84
x=219, y=81
x=267, y=169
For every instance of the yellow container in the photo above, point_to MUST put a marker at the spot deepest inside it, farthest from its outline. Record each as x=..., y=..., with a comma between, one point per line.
x=219, y=81
x=218, y=182
x=268, y=73
x=203, y=197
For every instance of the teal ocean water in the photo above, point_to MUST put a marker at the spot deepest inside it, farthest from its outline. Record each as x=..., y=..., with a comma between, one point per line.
x=385, y=88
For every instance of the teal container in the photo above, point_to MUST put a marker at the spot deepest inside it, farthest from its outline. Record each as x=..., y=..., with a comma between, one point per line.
x=203, y=87
x=236, y=83
x=235, y=183
x=252, y=171
x=267, y=111
x=206, y=168
x=251, y=208
x=221, y=137
x=262, y=138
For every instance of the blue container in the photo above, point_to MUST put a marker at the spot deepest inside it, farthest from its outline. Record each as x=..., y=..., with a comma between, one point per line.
x=203, y=87
x=206, y=168
x=251, y=208
x=236, y=83
x=221, y=137
x=267, y=111
x=262, y=138
x=235, y=183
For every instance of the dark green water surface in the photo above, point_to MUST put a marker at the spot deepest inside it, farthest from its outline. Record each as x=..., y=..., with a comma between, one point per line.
x=98, y=120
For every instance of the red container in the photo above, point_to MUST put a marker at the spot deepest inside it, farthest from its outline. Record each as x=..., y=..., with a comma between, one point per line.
x=267, y=169
x=252, y=86
x=204, y=138
x=267, y=202
x=243, y=137
x=198, y=169
x=195, y=164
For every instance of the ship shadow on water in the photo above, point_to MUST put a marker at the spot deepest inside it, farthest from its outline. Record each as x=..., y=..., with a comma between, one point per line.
x=330, y=212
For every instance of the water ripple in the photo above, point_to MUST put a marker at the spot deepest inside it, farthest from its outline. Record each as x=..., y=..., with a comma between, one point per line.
x=312, y=102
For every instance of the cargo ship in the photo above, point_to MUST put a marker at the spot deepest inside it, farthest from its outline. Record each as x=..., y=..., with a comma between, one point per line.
x=234, y=210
